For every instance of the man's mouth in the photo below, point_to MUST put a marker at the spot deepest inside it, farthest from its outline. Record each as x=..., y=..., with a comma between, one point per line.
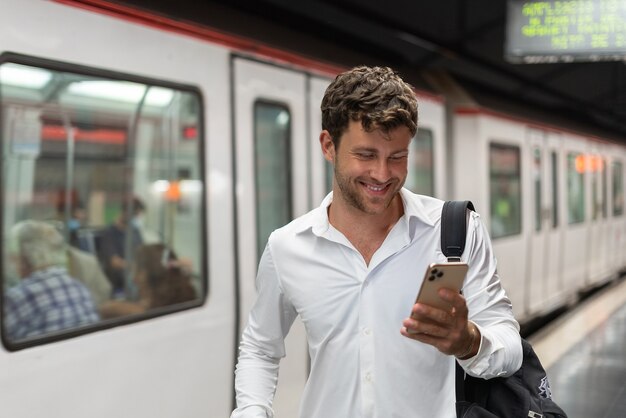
x=375, y=188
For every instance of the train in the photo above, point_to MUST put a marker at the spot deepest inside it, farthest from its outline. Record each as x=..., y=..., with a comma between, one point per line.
x=217, y=135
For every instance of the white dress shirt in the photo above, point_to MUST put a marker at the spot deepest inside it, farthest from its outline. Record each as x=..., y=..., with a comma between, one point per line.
x=361, y=366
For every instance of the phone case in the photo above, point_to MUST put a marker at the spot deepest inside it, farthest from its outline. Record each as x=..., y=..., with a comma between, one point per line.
x=438, y=275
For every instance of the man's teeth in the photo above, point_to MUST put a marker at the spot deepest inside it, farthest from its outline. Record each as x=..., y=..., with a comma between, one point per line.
x=374, y=188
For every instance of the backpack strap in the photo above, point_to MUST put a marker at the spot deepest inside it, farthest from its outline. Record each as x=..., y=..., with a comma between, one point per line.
x=454, y=228
x=453, y=235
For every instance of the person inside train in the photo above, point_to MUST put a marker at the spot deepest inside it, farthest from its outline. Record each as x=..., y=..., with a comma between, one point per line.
x=113, y=246
x=162, y=279
x=81, y=261
x=47, y=298
x=85, y=267
x=351, y=269
x=74, y=223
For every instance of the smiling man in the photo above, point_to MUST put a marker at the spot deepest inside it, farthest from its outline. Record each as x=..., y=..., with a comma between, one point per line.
x=351, y=269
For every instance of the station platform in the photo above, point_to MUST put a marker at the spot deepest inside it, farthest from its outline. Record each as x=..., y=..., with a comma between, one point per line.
x=584, y=353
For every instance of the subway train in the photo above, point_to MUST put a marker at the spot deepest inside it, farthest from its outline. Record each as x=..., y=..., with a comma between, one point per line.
x=216, y=135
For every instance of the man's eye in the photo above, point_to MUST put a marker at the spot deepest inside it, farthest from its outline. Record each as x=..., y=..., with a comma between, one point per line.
x=365, y=156
x=398, y=157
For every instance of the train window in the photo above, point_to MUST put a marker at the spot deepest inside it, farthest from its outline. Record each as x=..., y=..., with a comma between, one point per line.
x=102, y=197
x=329, y=173
x=618, y=188
x=420, y=176
x=599, y=190
x=576, y=164
x=605, y=188
x=555, y=189
x=504, y=190
x=537, y=170
x=272, y=128
x=595, y=196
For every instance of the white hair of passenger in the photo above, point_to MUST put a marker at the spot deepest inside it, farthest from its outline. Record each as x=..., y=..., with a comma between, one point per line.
x=38, y=243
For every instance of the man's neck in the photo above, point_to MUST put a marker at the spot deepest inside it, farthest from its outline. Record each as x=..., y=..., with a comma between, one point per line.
x=365, y=231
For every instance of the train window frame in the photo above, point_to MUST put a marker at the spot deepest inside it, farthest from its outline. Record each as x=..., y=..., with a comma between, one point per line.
x=260, y=245
x=517, y=225
x=205, y=281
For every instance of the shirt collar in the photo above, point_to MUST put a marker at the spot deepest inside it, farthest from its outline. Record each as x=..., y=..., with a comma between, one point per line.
x=414, y=212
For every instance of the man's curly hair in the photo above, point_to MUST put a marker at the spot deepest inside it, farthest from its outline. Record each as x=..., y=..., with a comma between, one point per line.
x=376, y=96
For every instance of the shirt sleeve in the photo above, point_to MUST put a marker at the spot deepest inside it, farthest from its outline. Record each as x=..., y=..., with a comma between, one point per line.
x=262, y=344
x=500, y=352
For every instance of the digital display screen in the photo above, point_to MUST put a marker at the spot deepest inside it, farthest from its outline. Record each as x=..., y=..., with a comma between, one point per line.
x=565, y=31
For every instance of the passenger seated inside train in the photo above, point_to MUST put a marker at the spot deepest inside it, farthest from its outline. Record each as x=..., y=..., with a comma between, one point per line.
x=161, y=279
x=112, y=246
x=86, y=268
x=47, y=298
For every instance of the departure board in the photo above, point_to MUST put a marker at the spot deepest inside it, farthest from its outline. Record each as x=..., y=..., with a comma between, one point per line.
x=565, y=31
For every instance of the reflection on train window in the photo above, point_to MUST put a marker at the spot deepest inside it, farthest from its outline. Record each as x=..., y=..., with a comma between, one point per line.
x=504, y=190
x=618, y=188
x=536, y=173
x=272, y=127
x=555, y=189
x=420, y=177
x=102, y=199
x=576, y=164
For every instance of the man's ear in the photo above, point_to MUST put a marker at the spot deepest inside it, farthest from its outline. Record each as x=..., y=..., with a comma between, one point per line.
x=328, y=146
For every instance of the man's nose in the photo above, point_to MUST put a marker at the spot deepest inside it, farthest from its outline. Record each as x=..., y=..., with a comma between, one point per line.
x=380, y=171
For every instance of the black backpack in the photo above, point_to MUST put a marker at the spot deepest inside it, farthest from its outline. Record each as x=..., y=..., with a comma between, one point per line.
x=525, y=394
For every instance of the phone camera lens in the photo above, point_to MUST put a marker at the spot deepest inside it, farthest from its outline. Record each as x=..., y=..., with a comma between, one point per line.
x=439, y=274
x=431, y=278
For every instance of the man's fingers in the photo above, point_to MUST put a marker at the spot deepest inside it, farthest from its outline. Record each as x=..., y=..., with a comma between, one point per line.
x=431, y=329
x=432, y=314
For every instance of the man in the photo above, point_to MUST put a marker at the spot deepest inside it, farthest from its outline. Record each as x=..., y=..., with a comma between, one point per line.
x=113, y=249
x=46, y=299
x=352, y=268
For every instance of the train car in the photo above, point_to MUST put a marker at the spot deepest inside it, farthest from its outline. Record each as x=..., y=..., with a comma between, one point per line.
x=220, y=146
x=110, y=112
x=553, y=202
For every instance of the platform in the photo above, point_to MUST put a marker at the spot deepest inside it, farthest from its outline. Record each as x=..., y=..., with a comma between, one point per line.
x=584, y=353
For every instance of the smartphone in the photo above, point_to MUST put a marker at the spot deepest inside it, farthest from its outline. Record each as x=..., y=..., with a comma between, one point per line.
x=438, y=275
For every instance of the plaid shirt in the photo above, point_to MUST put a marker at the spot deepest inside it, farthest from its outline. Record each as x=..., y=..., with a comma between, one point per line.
x=48, y=300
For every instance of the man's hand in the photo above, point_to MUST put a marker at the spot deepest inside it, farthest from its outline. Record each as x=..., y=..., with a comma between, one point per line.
x=448, y=331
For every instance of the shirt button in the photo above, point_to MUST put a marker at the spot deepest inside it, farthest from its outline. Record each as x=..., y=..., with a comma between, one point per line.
x=368, y=377
x=367, y=331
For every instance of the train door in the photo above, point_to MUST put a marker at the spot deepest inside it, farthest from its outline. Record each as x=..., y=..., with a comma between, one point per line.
x=555, y=292
x=271, y=189
x=321, y=170
x=544, y=291
x=617, y=180
x=537, y=281
x=428, y=164
x=599, y=268
x=575, y=212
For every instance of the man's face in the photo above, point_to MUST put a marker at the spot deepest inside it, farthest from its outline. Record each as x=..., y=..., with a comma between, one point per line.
x=370, y=167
